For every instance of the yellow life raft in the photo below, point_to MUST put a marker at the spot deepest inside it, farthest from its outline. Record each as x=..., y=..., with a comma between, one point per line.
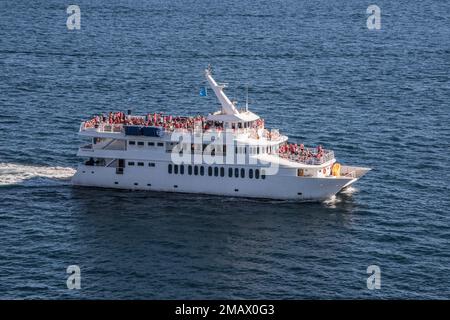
x=336, y=169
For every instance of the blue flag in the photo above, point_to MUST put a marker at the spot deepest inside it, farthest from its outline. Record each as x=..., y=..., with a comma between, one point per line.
x=203, y=92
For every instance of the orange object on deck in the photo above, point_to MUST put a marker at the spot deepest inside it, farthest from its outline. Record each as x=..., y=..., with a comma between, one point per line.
x=336, y=169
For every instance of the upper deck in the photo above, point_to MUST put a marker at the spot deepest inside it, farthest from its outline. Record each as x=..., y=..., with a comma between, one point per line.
x=116, y=124
x=276, y=144
x=246, y=129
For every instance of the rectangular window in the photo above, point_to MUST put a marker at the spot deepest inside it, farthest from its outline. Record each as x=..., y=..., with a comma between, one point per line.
x=140, y=164
x=140, y=143
x=169, y=168
x=160, y=144
x=151, y=164
x=131, y=163
x=131, y=143
x=151, y=144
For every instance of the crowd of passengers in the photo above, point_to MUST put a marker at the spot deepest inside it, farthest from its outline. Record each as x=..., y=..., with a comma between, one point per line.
x=298, y=152
x=168, y=122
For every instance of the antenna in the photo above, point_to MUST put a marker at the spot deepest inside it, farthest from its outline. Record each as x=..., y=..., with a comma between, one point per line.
x=246, y=100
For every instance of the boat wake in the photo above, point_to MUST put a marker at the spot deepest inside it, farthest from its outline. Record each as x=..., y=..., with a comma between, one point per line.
x=349, y=190
x=14, y=174
x=332, y=201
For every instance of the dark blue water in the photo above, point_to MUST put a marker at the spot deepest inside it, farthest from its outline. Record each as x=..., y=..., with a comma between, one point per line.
x=378, y=98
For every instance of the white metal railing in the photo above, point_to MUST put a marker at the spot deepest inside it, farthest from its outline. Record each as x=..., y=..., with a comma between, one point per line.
x=310, y=159
x=103, y=127
x=118, y=128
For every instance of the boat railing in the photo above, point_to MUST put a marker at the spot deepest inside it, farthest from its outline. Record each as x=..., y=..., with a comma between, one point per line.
x=87, y=147
x=119, y=128
x=102, y=127
x=309, y=157
x=272, y=135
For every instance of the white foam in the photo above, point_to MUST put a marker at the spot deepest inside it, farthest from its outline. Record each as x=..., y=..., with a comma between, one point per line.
x=349, y=190
x=11, y=173
x=332, y=201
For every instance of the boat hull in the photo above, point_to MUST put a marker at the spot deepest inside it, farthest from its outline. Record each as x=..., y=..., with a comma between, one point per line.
x=281, y=187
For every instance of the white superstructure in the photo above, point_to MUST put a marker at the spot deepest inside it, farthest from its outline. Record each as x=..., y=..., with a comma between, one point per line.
x=229, y=152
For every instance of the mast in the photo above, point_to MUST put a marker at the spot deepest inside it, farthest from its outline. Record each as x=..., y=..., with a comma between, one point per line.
x=227, y=106
x=246, y=98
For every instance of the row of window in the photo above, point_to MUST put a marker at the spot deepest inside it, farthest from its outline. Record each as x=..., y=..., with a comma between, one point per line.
x=216, y=171
x=241, y=150
x=141, y=143
x=140, y=164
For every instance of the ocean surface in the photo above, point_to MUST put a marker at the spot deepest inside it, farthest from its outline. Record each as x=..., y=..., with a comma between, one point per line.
x=379, y=98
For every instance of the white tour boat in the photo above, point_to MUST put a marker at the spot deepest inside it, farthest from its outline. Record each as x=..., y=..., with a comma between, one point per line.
x=228, y=153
